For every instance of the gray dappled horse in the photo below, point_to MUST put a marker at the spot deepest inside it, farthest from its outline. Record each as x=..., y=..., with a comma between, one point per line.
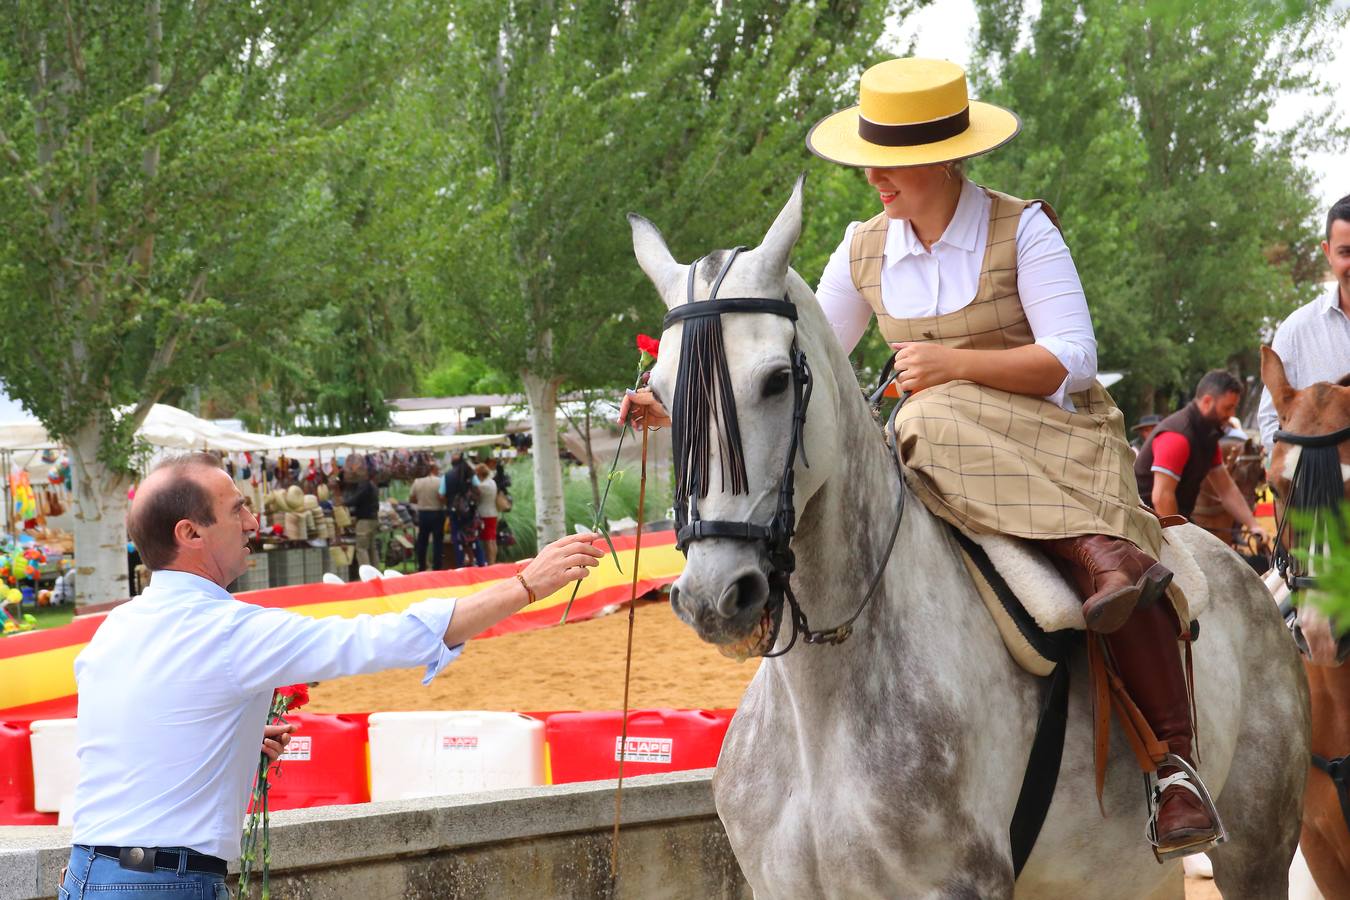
x=889, y=765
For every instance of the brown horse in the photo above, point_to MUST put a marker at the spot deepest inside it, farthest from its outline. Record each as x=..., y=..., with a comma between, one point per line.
x=1243, y=462
x=1317, y=410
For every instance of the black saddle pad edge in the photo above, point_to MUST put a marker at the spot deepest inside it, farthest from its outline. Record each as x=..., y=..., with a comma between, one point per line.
x=1054, y=646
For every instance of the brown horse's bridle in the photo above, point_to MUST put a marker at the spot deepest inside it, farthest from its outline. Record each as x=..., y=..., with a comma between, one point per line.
x=1316, y=485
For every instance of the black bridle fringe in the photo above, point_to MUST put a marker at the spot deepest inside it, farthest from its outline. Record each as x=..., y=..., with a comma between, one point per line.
x=1317, y=480
x=704, y=403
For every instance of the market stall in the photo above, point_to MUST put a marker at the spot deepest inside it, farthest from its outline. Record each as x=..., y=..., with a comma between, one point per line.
x=293, y=482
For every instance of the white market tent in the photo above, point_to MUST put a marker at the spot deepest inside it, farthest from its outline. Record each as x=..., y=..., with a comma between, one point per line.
x=171, y=428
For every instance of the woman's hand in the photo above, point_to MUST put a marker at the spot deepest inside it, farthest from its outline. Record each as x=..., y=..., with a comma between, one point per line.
x=925, y=365
x=561, y=562
x=641, y=408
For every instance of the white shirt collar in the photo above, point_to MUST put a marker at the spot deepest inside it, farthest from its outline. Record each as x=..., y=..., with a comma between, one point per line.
x=172, y=581
x=962, y=231
x=1331, y=299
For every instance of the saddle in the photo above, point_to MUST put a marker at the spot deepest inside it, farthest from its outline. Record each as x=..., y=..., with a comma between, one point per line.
x=1037, y=611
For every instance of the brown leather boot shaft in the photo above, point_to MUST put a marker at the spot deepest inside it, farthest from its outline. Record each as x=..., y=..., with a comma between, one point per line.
x=1146, y=656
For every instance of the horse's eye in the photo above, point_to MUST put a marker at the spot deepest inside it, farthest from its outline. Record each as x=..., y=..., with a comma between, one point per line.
x=776, y=383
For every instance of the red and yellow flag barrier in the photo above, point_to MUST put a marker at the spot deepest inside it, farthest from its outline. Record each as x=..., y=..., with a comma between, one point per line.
x=37, y=677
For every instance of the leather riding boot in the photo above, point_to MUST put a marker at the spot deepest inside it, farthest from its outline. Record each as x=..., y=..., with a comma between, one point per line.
x=1113, y=576
x=1146, y=657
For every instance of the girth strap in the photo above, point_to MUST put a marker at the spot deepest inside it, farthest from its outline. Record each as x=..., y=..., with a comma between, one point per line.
x=1338, y=770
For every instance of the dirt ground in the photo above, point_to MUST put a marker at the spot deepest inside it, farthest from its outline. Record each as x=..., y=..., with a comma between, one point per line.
x=579, y=666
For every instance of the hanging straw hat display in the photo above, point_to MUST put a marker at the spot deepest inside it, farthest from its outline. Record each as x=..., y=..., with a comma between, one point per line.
x=912, y=112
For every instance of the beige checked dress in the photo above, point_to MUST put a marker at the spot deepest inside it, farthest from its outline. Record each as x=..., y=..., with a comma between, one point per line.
x=992, y=461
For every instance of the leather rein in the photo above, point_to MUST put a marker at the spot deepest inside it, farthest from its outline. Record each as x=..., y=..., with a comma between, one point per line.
x=776, y=536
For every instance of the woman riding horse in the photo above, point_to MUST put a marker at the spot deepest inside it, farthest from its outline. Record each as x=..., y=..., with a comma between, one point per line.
x=1007, y=429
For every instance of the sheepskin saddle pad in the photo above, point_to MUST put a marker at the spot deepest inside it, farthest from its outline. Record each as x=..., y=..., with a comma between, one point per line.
x=1037, y=611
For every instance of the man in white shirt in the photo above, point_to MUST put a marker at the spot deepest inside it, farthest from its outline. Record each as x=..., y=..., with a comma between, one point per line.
x=175, y=686
x=1314, y=342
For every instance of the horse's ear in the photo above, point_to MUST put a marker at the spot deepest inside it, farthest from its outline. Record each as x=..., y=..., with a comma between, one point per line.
x=776, y=248
x=655, y=259
x=1272, y=375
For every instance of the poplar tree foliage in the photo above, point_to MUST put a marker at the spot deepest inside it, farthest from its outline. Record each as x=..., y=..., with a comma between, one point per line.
x=1191, y=219
x=146, y=156
x=558, y=118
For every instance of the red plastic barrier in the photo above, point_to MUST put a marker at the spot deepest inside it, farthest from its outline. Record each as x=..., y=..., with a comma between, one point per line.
x=584, y=746
x=16, y=778
x=324, y=765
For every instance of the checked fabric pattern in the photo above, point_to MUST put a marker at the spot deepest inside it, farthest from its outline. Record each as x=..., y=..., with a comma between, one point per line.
x=991, y=461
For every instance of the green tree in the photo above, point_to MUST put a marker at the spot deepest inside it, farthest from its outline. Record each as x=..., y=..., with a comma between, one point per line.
x=145, y=152
x=555, y=120
x=1146, y=127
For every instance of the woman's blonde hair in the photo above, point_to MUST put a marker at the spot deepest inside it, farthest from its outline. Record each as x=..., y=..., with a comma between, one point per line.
x=482, y=472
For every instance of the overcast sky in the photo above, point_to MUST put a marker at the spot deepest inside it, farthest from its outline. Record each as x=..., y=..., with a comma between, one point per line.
x=945, y=30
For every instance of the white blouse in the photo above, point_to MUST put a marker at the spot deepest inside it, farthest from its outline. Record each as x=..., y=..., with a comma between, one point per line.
x=917, y=283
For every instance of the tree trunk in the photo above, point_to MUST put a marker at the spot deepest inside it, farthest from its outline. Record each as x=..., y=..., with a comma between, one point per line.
x=542, y=394
x=100, y=523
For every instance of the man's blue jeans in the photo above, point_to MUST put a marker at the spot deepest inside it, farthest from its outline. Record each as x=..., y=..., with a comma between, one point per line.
x=90, y=875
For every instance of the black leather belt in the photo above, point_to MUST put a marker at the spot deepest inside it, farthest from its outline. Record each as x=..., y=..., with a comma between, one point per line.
x=147, y=859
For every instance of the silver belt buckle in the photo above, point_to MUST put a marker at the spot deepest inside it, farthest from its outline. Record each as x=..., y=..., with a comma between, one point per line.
x=137, y=859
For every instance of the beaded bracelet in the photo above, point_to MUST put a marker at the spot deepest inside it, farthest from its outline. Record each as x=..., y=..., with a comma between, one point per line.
x=529, y=591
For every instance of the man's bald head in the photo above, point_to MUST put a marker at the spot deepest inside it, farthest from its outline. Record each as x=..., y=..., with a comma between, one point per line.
x=172, y=492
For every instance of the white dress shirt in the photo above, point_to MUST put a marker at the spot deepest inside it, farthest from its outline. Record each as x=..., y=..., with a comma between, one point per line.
x=918, y=283
x=174, y=691
x=1314, y=345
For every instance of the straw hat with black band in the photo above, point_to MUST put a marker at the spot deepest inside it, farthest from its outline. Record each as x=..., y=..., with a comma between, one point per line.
x=912, y=112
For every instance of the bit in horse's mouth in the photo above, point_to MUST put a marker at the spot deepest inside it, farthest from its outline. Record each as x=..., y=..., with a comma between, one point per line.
x=758, y=642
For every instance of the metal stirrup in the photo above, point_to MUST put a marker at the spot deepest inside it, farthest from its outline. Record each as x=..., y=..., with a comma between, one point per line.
x=1189, y=779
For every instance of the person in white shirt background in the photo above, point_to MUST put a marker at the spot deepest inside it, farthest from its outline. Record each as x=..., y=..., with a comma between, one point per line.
x=175, y=686
x=1314, y=342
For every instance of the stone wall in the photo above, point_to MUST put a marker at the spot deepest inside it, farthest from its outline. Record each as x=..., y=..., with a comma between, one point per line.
x=527, y=843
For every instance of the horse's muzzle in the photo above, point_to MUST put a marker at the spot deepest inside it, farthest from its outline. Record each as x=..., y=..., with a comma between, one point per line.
x=726, y=616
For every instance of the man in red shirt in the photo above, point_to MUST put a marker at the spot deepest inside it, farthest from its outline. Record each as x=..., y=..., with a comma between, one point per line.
x=1183, y=453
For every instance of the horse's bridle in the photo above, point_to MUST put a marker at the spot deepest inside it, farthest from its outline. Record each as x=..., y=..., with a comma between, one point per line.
x=777, y=535
x=1285, y=563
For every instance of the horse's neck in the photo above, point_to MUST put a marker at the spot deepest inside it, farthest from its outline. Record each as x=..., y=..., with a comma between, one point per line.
x=842, y=540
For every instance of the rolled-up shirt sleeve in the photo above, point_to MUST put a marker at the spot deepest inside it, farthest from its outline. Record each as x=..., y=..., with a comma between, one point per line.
x=845, y=309
x=272, y=647
x=1054, y=303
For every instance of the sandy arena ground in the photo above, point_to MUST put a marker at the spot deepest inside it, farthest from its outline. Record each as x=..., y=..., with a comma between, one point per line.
x=579, y=666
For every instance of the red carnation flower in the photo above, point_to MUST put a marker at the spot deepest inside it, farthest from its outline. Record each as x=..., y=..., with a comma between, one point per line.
x=648, y=345
x=297, y=695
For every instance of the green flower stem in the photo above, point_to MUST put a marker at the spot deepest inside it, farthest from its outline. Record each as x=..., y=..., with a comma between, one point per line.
x=600, y=523
x=257, y=827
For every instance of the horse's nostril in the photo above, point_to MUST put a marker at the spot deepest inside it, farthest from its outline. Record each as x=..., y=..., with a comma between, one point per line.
x=742, y=594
